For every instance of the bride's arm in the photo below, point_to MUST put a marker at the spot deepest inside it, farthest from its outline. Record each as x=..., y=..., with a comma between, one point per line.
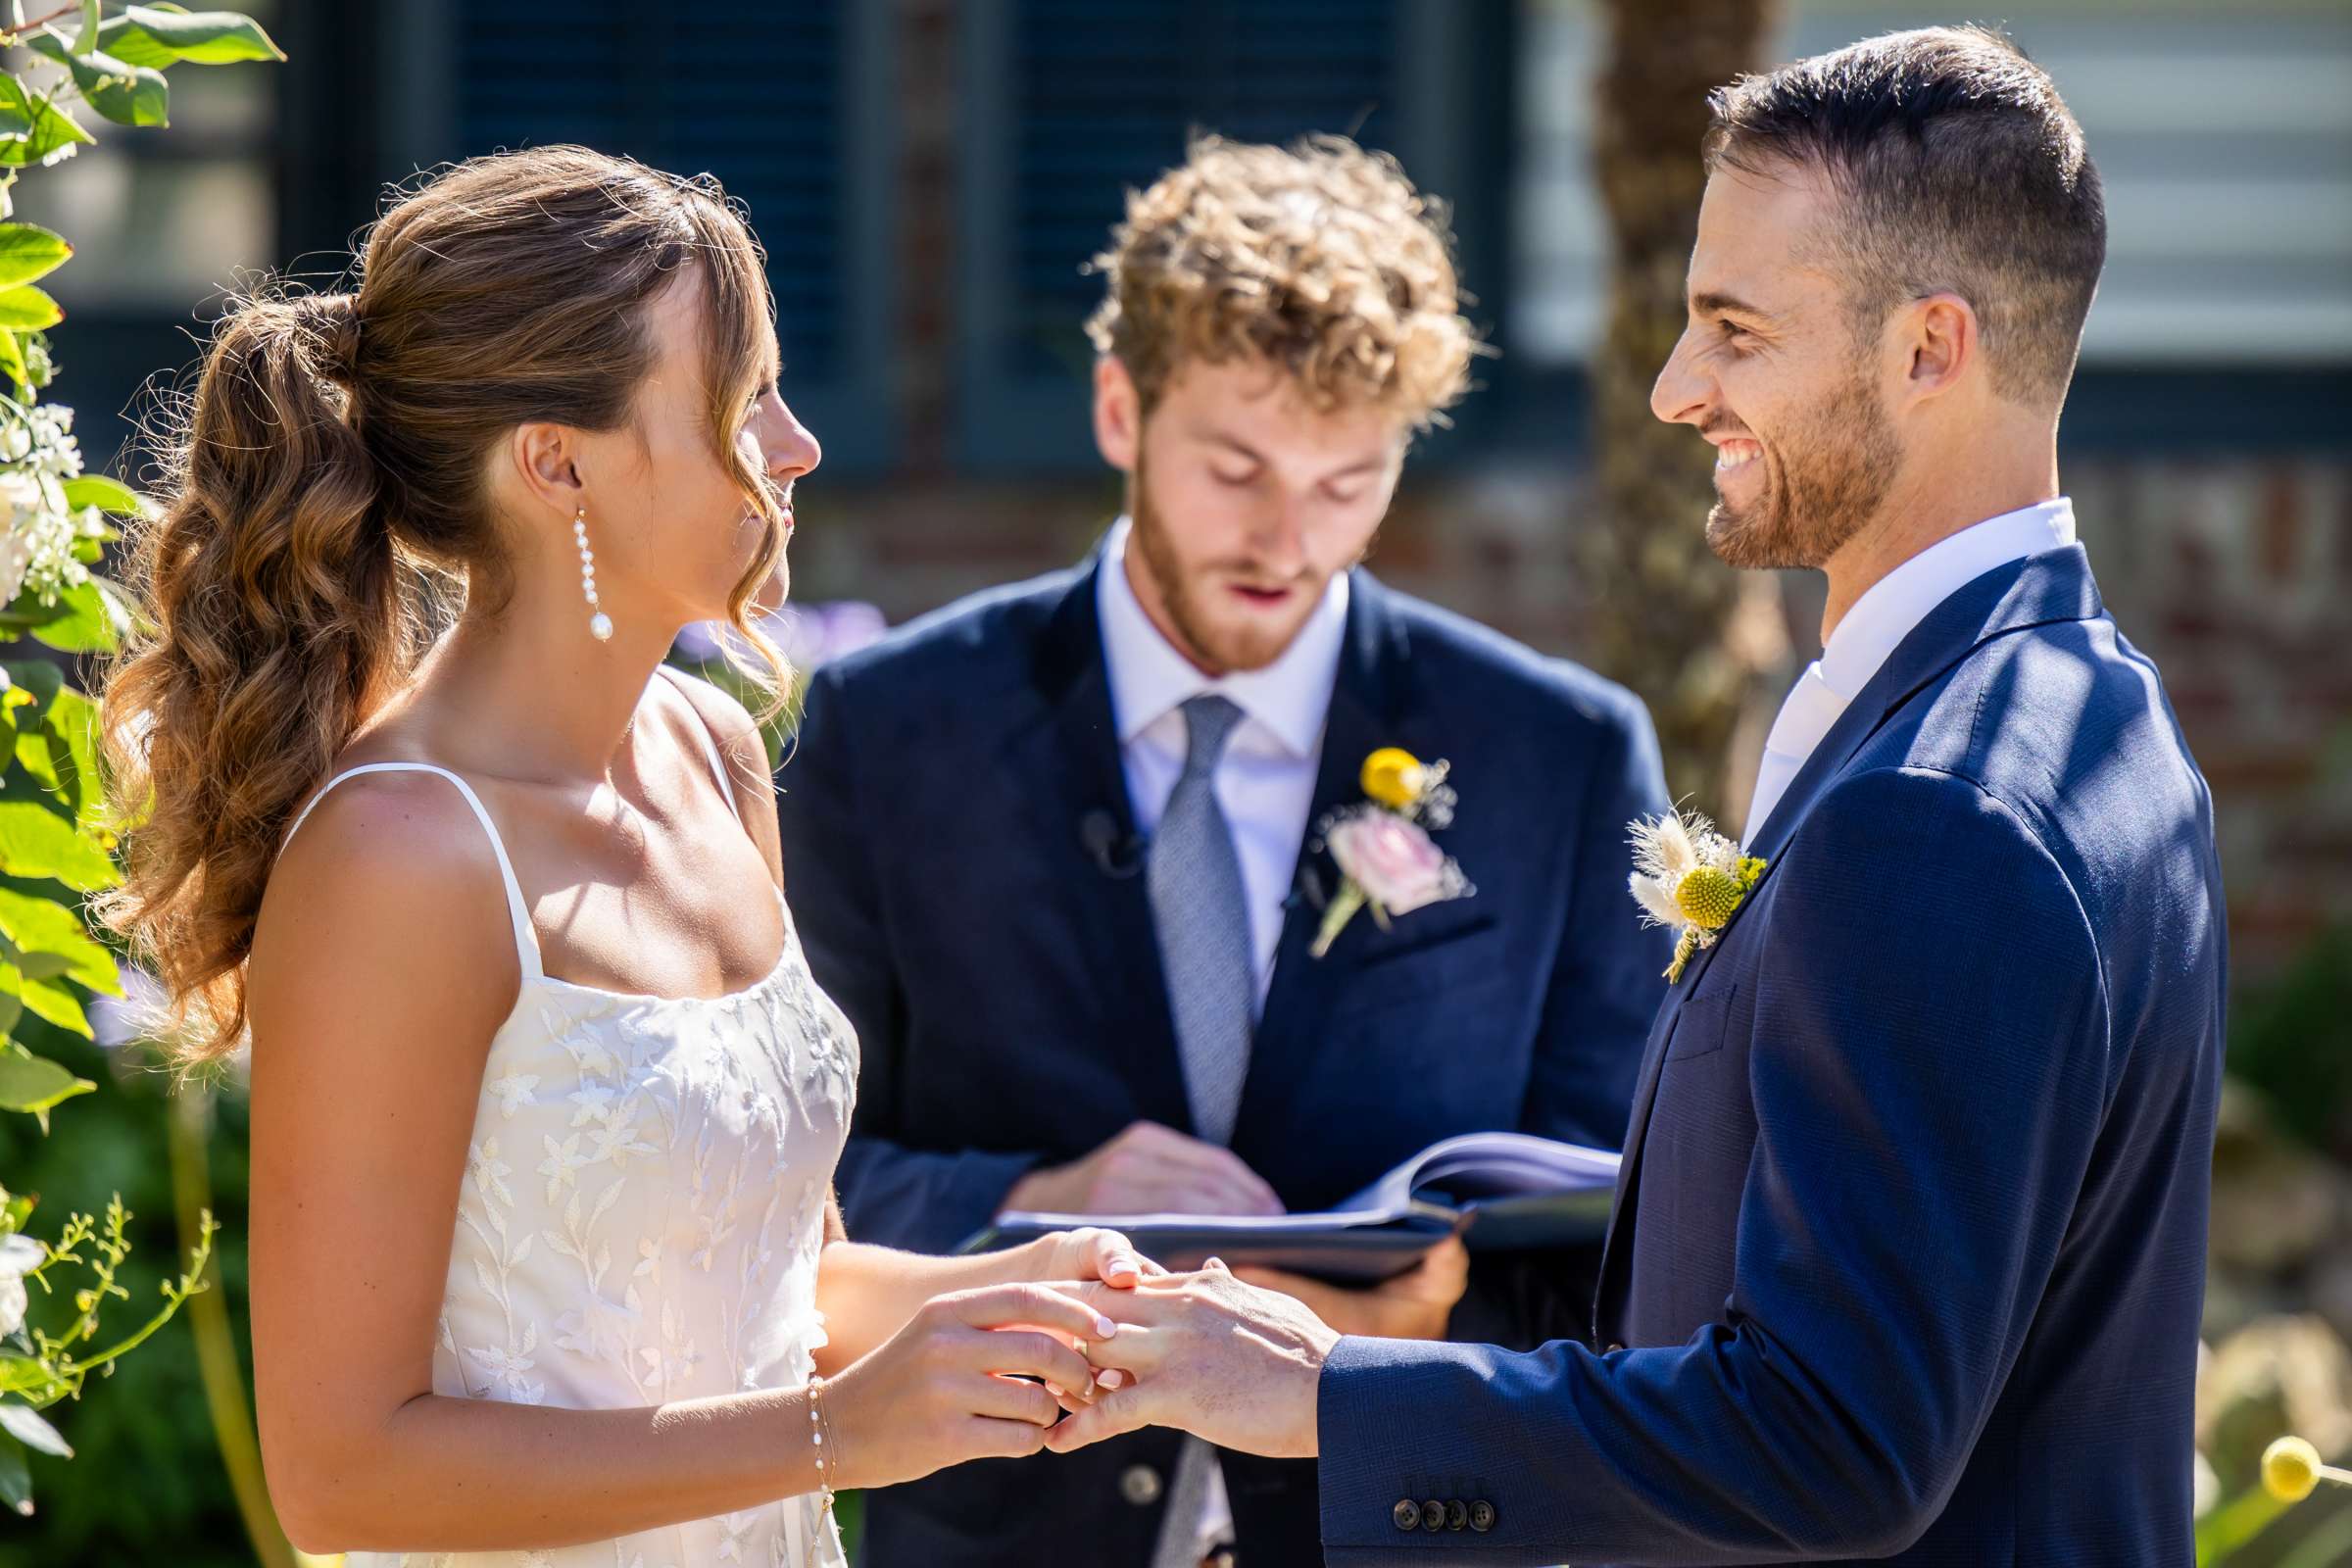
x=364, y=1086
x=868, y=1292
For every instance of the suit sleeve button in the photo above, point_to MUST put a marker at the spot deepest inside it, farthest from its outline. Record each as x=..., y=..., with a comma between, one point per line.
x=1432, y=1515
x=1456, y=1514
x=1406, y=1514
x=1139, y=1484
x=1481, y=1516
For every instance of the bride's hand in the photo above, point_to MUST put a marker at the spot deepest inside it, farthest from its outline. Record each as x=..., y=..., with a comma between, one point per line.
x=945, y=1387
x=1087, y=1254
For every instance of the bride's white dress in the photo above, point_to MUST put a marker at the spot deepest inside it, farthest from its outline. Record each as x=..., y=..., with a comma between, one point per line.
x=640, y=1219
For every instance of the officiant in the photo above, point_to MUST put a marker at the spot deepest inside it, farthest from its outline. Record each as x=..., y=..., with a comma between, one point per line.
x=1064, y=852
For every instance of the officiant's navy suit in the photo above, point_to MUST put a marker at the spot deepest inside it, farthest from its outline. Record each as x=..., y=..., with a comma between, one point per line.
x=962, y=862
x=1910, y=1243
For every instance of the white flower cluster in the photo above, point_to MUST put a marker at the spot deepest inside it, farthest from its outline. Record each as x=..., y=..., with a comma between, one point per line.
x=38, y=527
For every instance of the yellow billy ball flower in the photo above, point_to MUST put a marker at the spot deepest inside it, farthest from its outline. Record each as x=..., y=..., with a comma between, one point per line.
x=1708, y=897
x=1394, y=777
x=2291, y=1469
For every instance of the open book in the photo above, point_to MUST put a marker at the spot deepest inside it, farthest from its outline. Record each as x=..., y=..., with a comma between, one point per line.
x=1495, y=1190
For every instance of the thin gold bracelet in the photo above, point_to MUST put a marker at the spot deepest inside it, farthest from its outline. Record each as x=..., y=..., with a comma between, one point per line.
x=818, y=1427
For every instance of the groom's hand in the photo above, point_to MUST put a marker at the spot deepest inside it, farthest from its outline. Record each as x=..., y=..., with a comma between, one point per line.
x=1148, y=1169
x=1415, y=1305
x=1210, y=1356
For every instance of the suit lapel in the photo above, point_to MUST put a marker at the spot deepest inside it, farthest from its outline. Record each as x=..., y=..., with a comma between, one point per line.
x=1069, y=749
x=2053, y=586
x=1289, y=1034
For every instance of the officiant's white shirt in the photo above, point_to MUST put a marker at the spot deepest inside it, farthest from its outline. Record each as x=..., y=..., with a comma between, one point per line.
x=1265, y=782
x=1885, y=614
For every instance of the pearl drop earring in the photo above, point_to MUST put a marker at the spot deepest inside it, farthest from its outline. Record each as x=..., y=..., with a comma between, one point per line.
x=600, y=624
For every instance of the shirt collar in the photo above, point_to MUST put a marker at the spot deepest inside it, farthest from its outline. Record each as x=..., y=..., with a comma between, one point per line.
x=1149, y=677
x=1898, y=601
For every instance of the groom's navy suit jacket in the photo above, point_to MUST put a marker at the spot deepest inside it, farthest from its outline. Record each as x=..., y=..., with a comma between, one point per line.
x=1012, y=1012
x=1910, y=1243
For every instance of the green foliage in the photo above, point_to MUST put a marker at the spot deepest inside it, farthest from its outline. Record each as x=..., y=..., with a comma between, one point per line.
x=2293, y=1039
x=55, y=848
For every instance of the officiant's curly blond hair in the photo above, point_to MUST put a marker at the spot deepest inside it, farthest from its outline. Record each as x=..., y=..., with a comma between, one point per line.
x=1320, y=256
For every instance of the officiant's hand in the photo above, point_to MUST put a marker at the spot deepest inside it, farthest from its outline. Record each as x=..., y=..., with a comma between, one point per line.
x=1148, y=1169
x=1210, y=1356
x=1415, y=1305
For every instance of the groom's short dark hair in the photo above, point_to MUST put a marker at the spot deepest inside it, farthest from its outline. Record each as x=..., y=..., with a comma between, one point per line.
x=1958, y=168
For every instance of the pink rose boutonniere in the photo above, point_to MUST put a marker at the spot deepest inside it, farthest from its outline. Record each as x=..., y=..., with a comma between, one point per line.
x=1386, y=857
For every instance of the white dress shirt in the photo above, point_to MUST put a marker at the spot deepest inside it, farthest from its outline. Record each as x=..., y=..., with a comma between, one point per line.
x=1265, y=781
x=1885, y=614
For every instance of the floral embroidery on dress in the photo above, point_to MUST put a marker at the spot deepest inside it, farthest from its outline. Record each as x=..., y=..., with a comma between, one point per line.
x=641, y=1218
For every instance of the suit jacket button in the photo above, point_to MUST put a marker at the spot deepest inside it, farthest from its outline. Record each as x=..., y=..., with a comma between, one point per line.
x=1139, y=1484
x=1406, y=1514
x=1456, y=1514
x=1614, y=1347
x=1481, y=1516
x=1432, y=1515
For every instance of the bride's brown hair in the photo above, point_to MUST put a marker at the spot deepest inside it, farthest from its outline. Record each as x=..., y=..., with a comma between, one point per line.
x=324, y=509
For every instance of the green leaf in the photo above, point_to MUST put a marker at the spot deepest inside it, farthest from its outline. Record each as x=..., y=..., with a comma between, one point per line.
x=49, y=131
x=27, y=1426
x=161, y=35
x=12, y=362
x=34, y=1084
x=25, y=308
x=46, y=999
x=124, y=93
x=72, y=725
x=107, y=494
x=94, y=622
x=28, y=251
x=45, y=928
x=37, y=678
x=15, y=1476
x=15, y=1211
x=35, y=841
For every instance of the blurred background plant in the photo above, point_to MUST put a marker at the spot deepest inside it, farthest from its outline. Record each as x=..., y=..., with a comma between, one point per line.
x=72, y=1302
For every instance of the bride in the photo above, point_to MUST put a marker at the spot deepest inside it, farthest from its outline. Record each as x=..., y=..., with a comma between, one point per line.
x=546, y=1267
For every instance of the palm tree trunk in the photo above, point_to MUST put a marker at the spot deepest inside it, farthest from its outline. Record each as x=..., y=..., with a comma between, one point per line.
x=1693, y=637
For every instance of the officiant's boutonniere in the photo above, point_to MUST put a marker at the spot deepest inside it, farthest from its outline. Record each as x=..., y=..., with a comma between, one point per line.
x=1690, y=877
x=1386, y=858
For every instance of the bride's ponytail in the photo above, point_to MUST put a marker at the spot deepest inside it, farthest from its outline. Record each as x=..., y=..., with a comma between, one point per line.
x=329, y=466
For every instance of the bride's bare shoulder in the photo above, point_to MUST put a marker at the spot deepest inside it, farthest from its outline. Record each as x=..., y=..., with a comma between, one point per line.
x=389, y=878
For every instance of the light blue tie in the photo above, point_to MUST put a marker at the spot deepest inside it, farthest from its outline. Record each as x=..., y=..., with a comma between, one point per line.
x=1203, y=921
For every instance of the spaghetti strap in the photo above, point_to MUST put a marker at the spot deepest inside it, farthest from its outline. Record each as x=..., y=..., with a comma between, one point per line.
x=702, y=733
x=527, y=942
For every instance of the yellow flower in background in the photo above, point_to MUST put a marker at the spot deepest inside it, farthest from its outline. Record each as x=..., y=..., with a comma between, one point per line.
x=1395, y=777
x=2292, y=1470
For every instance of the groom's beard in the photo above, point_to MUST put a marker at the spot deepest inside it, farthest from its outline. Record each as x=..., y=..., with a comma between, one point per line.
x=1821, y=484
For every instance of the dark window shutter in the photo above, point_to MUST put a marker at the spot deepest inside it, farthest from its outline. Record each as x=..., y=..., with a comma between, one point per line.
x=1105, y=97
x=744, y=89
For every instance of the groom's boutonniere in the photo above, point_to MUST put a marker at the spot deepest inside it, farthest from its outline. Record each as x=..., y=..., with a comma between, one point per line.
x=1690, y=877
x=1386, y=857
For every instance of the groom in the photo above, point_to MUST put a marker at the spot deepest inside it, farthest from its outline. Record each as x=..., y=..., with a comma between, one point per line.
x=1910, y=1239
x=1052, y=850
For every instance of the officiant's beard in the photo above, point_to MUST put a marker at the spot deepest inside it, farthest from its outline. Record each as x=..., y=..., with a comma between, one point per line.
x=1203, y=638
x=1822, y=484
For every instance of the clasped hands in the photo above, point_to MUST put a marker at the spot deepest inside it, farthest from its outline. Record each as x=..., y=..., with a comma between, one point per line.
x=1234, y=1357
